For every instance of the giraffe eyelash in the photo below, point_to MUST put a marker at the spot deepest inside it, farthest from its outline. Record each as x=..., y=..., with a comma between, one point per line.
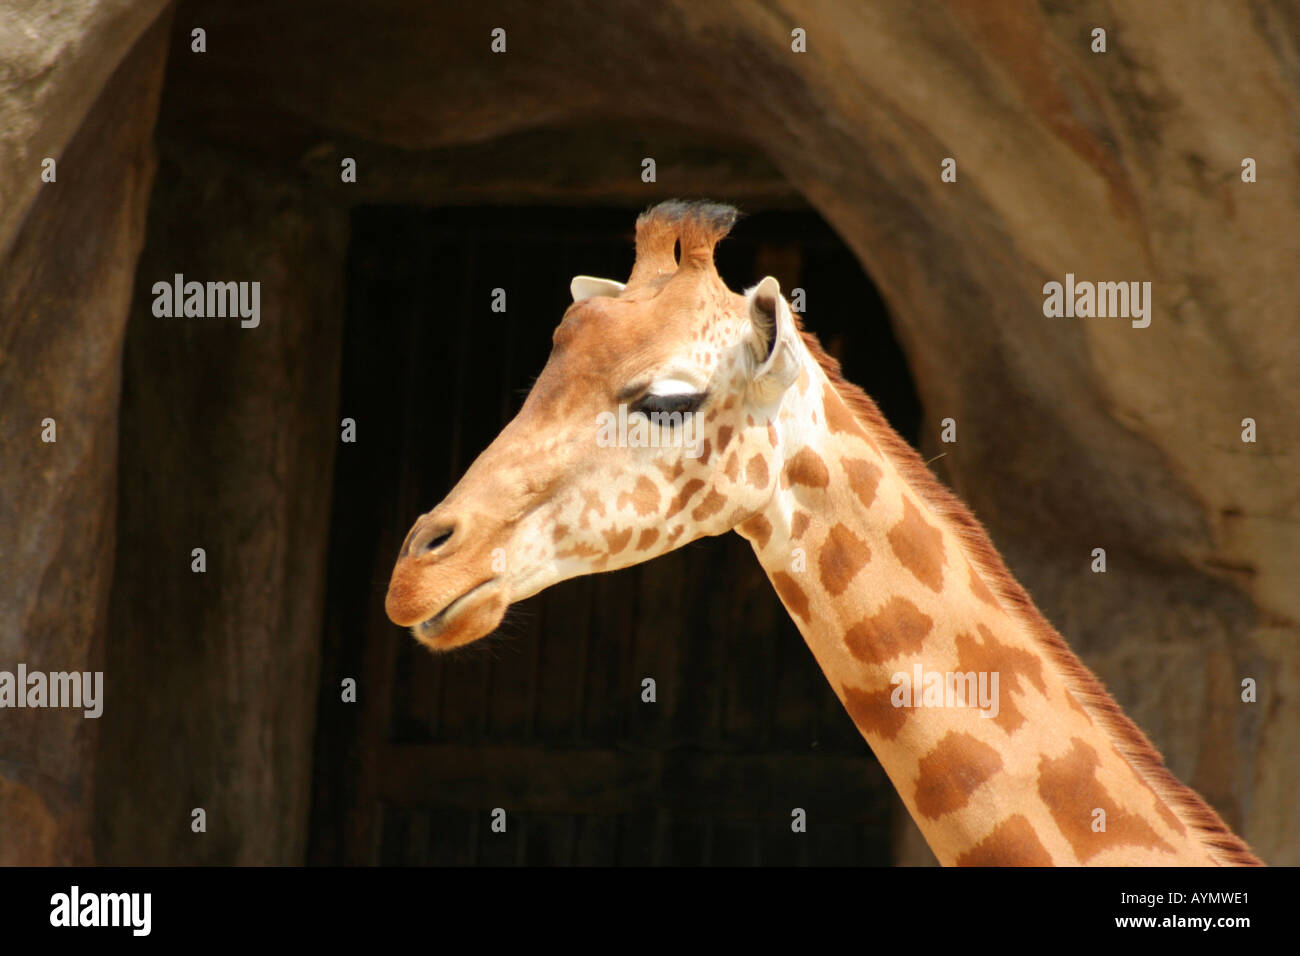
x=668, y=404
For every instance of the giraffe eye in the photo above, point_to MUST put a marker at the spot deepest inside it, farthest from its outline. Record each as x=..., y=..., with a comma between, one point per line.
x=668, y=404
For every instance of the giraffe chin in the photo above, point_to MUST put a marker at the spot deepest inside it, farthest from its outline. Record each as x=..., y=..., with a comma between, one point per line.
x=473, y=615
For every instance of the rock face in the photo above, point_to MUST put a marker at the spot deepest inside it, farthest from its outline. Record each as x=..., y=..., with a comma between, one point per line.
x=1073, y=433
x=228, y=441
x=57, y=55
x=65, y=286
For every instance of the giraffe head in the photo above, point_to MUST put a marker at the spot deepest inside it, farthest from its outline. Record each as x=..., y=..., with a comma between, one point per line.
x=652, y=425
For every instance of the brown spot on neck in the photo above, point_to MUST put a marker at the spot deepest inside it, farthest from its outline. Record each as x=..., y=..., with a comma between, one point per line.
x=756, y=472
x=733, y=466
x=710, y=506
x=1069, y=786
x=724, y=437
x=874, y=713
x=671, y=472
x=617, y=540
x=918, y=545
x=648, y=537
x=864, y=476
x=1010, y=663
x=898, y=628
x=1023, y=661
x=958, y=765
x=791, y=595
x=838, y=416
x=686, y=494
x=1013, y=842
x=799, y=524
x=757, y=529
x=843, y=554
x=579, y=549
x=807, y=468
x=644, y=497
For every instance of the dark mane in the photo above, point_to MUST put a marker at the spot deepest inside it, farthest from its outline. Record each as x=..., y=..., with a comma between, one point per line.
x=715, y=219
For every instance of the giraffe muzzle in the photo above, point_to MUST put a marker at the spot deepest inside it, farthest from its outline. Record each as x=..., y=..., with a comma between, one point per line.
x=472, y=614
x=433, y=624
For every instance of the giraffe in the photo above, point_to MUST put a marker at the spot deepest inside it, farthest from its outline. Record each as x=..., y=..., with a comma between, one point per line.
x=889, y=578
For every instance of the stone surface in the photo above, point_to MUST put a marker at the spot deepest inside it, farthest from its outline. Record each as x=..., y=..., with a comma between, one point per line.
x=228, y=443
x=65, y=286
x=560, y=169
x=55, y=57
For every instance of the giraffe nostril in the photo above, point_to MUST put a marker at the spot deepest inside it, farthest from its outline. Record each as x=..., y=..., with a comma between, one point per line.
x=438, y=540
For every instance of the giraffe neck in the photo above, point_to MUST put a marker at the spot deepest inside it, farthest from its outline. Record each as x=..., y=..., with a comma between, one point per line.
x=1006, y=752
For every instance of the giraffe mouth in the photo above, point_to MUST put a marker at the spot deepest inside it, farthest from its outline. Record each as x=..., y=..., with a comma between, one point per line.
x=430, y=627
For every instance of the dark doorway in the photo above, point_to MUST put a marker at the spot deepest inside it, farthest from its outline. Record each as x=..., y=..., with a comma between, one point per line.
x=545, y=720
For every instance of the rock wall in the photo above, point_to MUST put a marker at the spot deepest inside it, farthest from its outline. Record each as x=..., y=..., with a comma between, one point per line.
x=228, y=441
x=57, y=57
x=65, y=285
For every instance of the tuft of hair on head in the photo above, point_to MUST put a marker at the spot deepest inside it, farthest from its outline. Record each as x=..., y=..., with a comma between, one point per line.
x=698, y=226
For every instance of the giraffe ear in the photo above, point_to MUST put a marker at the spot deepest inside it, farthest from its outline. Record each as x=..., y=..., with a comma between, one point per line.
x=774, y=337
x=584, y=287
